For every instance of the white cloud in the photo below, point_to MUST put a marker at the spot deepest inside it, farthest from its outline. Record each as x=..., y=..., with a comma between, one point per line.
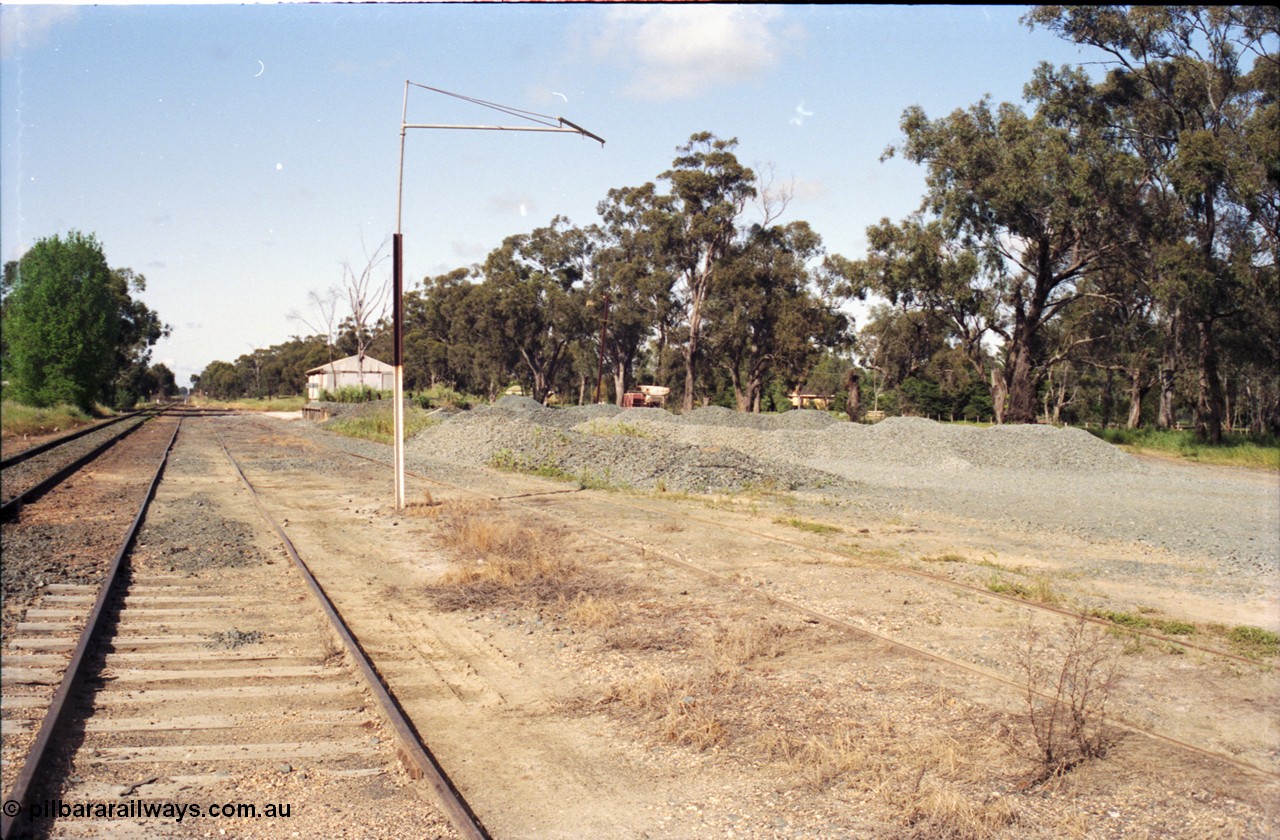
x=25, y=27
x=679, y=51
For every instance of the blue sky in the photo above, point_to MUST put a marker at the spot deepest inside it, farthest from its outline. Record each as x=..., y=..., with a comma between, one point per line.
x=238, y=155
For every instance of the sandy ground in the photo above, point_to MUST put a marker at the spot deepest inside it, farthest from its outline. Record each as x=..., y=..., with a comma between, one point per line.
x=770, y=665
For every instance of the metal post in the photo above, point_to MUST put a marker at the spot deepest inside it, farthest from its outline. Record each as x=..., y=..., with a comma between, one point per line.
x=397, y=260
x=397, y=320
x=397, y=316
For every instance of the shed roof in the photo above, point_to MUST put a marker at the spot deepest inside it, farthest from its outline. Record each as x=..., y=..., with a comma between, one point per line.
x=351, y=364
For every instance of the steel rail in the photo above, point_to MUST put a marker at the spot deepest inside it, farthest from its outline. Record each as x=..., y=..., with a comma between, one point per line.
x=56, y=714
x=18, y=458
x=414, y=752
x=866, y=562
x=846, y=626
x=11, y=507
x=840, y=624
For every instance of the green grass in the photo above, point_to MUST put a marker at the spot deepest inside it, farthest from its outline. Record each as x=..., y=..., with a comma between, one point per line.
x=505, y=459
x=438, y=396
x=1039, y=590
x=380, y=426
x=1236, y=450
x=17, y=420
x=945, y=558
x=1254, y=641
x=805, y=525
x=255, y=404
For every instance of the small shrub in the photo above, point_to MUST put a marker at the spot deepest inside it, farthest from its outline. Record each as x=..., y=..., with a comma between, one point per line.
x=1176, y=628
x=945, y=558
x=442, y=396
x=1123, y=619
x=1069, y=680
x=354, y=394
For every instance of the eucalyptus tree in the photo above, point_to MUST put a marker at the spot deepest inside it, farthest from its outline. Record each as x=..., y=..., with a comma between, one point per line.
x=635, y=276
x=769, y=317
x=533, y=300
x=1180, y=95
x=440, y=334
x=941, y=291
x=711, y=189
x=1042, y=199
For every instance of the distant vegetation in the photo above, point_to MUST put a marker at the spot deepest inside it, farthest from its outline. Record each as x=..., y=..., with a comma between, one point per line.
x=1235, y=450
x=1060, y=269
x=73, y=334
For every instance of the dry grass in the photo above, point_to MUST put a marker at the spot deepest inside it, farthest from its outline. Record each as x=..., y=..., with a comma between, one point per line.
x=501, y=562
x=943, y=812
x=680, y=708
x=588, y=612
x=426, y=506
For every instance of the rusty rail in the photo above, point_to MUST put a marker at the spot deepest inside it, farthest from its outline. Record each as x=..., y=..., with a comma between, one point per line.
x=57, y=711
x=414, y=752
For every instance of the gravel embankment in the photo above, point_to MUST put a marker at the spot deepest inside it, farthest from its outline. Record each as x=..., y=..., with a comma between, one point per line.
x=1022, y=478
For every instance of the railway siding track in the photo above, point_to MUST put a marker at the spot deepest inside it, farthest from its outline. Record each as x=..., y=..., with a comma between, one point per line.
x=698, y=572
x=891, y=609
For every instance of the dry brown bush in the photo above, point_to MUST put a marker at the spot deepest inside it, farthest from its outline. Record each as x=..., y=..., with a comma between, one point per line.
x=498, y=561
x=680, y=707
x=1069, y=679
x=941, y=812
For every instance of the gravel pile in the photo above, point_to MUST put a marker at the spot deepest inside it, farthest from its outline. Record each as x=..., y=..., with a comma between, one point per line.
x=596, y=449
x=717, y=448
x=1018, y=479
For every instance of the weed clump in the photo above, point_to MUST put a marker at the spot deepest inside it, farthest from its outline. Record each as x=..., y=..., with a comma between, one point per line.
x=1254, y=641
x=1069, y=680
x=498, y=562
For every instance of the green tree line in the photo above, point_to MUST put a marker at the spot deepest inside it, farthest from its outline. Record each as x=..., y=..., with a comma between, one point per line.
x=1105, y=251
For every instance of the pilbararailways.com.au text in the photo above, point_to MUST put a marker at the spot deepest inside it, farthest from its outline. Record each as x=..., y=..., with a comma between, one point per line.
x=135, y=809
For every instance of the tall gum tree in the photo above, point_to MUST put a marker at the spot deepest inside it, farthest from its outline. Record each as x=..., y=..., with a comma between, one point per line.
x=1192, y=91
x=635, y=271
x=536, y=308
x=1040, y=200
x=711, y=189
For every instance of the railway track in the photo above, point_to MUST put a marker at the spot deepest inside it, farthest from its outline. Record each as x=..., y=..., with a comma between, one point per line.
x=562, y=508
x=124, y=751
x=201, y=684
x=29, y=474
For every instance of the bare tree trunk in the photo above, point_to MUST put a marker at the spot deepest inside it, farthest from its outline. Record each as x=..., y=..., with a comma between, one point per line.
x=1137, y=390
x=999, y=392
x=853, y=402
x=619, y=382
x=691, y=351
x=1169, y=372
x=1209, y=403
x=1022, y=385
